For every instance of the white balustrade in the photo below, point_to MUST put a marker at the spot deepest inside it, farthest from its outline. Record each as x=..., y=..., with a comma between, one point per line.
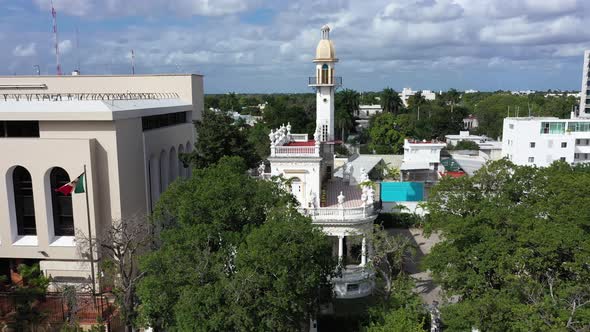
x=338, y=214
x=299, y=137
x=291, y=151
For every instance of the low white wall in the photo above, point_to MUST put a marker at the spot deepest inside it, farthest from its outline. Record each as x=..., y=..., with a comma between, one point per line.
x=410, y=207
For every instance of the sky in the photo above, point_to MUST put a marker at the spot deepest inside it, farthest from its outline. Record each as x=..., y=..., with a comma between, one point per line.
x=267, y=45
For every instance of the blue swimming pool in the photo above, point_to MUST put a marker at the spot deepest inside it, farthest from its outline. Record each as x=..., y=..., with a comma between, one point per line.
x=402, y=191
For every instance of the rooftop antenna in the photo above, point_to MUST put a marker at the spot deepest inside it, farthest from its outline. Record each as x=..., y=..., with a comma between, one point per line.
x=55, y=38
x=132, y=62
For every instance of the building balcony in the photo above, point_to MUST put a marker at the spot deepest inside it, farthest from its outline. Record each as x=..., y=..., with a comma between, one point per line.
x=288, y=151
x=355, y=282
x=329, y=81
x=340, y=215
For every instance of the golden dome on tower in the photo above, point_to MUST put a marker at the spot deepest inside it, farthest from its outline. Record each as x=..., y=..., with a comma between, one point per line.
x=325, y=52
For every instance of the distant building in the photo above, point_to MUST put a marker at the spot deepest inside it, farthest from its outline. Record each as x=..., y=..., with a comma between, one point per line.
x=407, y=92
x=470, y=122
x=367, y=111
x=125, y=131
x=471, y=91
x=422, y=155
x=488, y=149
x=523, y=92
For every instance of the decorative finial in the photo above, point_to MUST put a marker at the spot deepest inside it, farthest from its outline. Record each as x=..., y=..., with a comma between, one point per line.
x=325, y=32
x=341, y=199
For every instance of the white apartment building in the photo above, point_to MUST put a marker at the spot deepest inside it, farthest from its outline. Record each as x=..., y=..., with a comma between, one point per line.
x=342, y=208
x=126, y=131
x=540, y=141
x=407, y=92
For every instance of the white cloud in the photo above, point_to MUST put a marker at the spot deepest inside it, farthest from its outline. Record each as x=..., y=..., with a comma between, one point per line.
x=65, y=46
x=418, y=38
x=94, y=8
x=25, y=50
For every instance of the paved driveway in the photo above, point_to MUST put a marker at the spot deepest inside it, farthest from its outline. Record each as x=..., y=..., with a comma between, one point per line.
x=425, y=287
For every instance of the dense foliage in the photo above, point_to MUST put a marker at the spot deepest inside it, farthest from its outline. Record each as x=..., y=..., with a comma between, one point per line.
x=401, y=312
x=465, y=145
x=516, y=247
x=218, y=136
x=234, y=255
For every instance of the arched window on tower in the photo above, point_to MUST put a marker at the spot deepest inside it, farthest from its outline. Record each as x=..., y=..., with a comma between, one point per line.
x=23, y=202
x=325, y=74
x=63, y=214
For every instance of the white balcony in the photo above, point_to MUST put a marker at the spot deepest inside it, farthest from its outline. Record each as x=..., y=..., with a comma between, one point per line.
x=353, y=215
x=355, y=282
x=295, y=151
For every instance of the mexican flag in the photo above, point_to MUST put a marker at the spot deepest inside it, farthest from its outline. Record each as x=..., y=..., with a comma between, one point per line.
x=77, y=186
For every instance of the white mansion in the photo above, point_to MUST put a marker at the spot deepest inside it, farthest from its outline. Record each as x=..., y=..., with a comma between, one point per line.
x=341, y=208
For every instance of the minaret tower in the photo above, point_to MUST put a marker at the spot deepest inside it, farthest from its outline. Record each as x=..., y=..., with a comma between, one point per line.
x=325, y=83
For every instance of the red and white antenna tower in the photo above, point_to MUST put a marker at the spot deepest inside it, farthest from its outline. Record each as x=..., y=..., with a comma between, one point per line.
x=55, y=39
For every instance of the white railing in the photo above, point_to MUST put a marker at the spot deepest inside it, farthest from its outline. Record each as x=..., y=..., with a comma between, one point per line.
x=294, y=151
x=299, y=137
x=346, y=215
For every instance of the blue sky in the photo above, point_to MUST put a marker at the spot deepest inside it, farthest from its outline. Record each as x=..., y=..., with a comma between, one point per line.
x=267, y=45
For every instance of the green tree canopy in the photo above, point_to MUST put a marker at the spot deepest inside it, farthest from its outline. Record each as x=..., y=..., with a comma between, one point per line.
x=386, y=136
x=516, y=247
x=218, y=136
x=402, y=312
x=234, y=255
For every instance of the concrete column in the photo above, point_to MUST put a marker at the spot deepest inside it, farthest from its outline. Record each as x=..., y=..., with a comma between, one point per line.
x=340, y=248
x=364, y=252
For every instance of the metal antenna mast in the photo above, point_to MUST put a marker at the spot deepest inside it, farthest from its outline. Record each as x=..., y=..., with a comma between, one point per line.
x=55, y=39
x=132, y=62
x=77, y=50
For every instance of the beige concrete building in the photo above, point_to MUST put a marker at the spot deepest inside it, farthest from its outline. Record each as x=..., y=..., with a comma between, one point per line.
x=126, y=130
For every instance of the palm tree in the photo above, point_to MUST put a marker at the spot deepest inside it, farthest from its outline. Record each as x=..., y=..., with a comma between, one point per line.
x=391, y=101
x=347, y=105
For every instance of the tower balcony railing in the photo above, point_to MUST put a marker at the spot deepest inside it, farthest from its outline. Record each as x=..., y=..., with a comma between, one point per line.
x=294, y=151
x=318, y=81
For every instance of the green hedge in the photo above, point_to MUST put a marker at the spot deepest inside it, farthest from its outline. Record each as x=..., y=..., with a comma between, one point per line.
x=398, y=220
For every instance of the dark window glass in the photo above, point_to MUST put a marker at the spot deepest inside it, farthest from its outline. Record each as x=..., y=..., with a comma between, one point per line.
x=2, y=128
x=23, y=202
x=21, y=129
x=63, y=217
x=162, y=120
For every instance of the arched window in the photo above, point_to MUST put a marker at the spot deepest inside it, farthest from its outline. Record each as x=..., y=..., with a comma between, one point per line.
x=325, y=74
x=63, y=216
x=173, y=166
x=23, y=202
x=181, y=168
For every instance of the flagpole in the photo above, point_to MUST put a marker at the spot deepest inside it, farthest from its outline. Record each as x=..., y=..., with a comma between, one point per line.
x=89, y=236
